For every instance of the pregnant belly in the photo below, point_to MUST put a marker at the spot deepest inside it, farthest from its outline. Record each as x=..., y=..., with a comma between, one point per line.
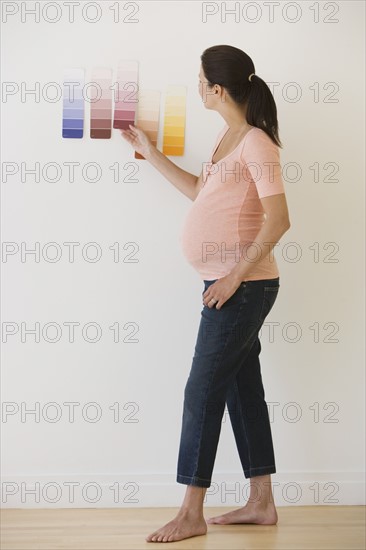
x=208, y=237
x=218, y=231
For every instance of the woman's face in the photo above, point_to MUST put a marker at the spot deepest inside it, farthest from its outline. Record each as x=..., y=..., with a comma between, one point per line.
x=207, y=94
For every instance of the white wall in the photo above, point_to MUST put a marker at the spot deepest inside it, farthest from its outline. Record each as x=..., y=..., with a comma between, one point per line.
x=320, y=377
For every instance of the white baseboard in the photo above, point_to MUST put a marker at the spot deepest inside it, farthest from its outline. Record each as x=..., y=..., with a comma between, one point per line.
x=161, y=490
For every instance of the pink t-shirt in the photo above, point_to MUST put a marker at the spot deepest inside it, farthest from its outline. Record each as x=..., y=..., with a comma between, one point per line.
x=227, y=212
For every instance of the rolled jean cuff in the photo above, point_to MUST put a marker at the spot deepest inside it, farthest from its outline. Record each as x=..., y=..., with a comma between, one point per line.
x=262, y=471
x=197, y=481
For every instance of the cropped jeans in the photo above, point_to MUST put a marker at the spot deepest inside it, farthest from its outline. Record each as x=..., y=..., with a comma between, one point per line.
x=226, y=371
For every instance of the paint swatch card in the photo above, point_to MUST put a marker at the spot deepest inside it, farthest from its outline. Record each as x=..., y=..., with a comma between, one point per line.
x=73, y=104
x=126, y=94
x=147, y=117
x=100, y=96
x=174, y=120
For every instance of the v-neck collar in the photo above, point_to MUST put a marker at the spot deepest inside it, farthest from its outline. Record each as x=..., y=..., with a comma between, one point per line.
x=233, y=151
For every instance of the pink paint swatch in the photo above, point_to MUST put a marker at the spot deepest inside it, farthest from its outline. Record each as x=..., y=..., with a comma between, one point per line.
x=126, y=94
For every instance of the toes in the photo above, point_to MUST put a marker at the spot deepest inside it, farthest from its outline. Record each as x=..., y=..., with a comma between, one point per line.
x=218, y=520
x=156, y=536
x=211, y=520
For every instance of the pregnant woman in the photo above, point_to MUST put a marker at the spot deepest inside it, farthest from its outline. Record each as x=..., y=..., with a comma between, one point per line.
x=238, y=215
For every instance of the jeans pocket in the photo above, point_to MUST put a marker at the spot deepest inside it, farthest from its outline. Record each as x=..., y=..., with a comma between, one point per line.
x=236, y=299
x=269, y=297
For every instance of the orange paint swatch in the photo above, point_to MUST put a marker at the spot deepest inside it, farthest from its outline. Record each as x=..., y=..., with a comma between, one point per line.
x=174, y=120
x=148, y=109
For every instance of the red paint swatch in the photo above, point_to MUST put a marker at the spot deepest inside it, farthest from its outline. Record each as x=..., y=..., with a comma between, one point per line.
x=101, y=103
x=126, y=94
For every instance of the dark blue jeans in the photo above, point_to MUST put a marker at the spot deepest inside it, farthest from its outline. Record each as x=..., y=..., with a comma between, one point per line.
x=226, y=370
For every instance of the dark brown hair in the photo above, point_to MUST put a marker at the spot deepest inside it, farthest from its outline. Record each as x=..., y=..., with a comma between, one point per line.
x=230, y=67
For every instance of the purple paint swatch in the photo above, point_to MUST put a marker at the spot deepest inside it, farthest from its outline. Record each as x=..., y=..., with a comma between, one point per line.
x=73, y=104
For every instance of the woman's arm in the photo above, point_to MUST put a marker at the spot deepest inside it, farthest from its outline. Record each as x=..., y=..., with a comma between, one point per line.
x=276, y=224
x=187, y=183
x=184, y=181
x=262, y=157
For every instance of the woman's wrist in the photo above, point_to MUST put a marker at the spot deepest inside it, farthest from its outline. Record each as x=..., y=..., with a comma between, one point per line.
x=150, y=152
x=236, y=276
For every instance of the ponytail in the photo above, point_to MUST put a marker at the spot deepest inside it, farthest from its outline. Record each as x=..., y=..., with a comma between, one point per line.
x=262, y=110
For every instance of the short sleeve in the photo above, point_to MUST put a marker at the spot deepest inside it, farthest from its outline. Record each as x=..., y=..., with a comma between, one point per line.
x=262, y=159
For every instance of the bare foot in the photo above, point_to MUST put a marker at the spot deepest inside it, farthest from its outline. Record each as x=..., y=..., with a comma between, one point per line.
x=183, y=526
x=248, y=514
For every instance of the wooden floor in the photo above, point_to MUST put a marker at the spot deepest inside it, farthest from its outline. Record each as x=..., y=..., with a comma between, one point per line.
x=298, y=527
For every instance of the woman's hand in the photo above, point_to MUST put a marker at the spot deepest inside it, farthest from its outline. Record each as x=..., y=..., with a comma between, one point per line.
x=220, y=291
x=138, y=139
